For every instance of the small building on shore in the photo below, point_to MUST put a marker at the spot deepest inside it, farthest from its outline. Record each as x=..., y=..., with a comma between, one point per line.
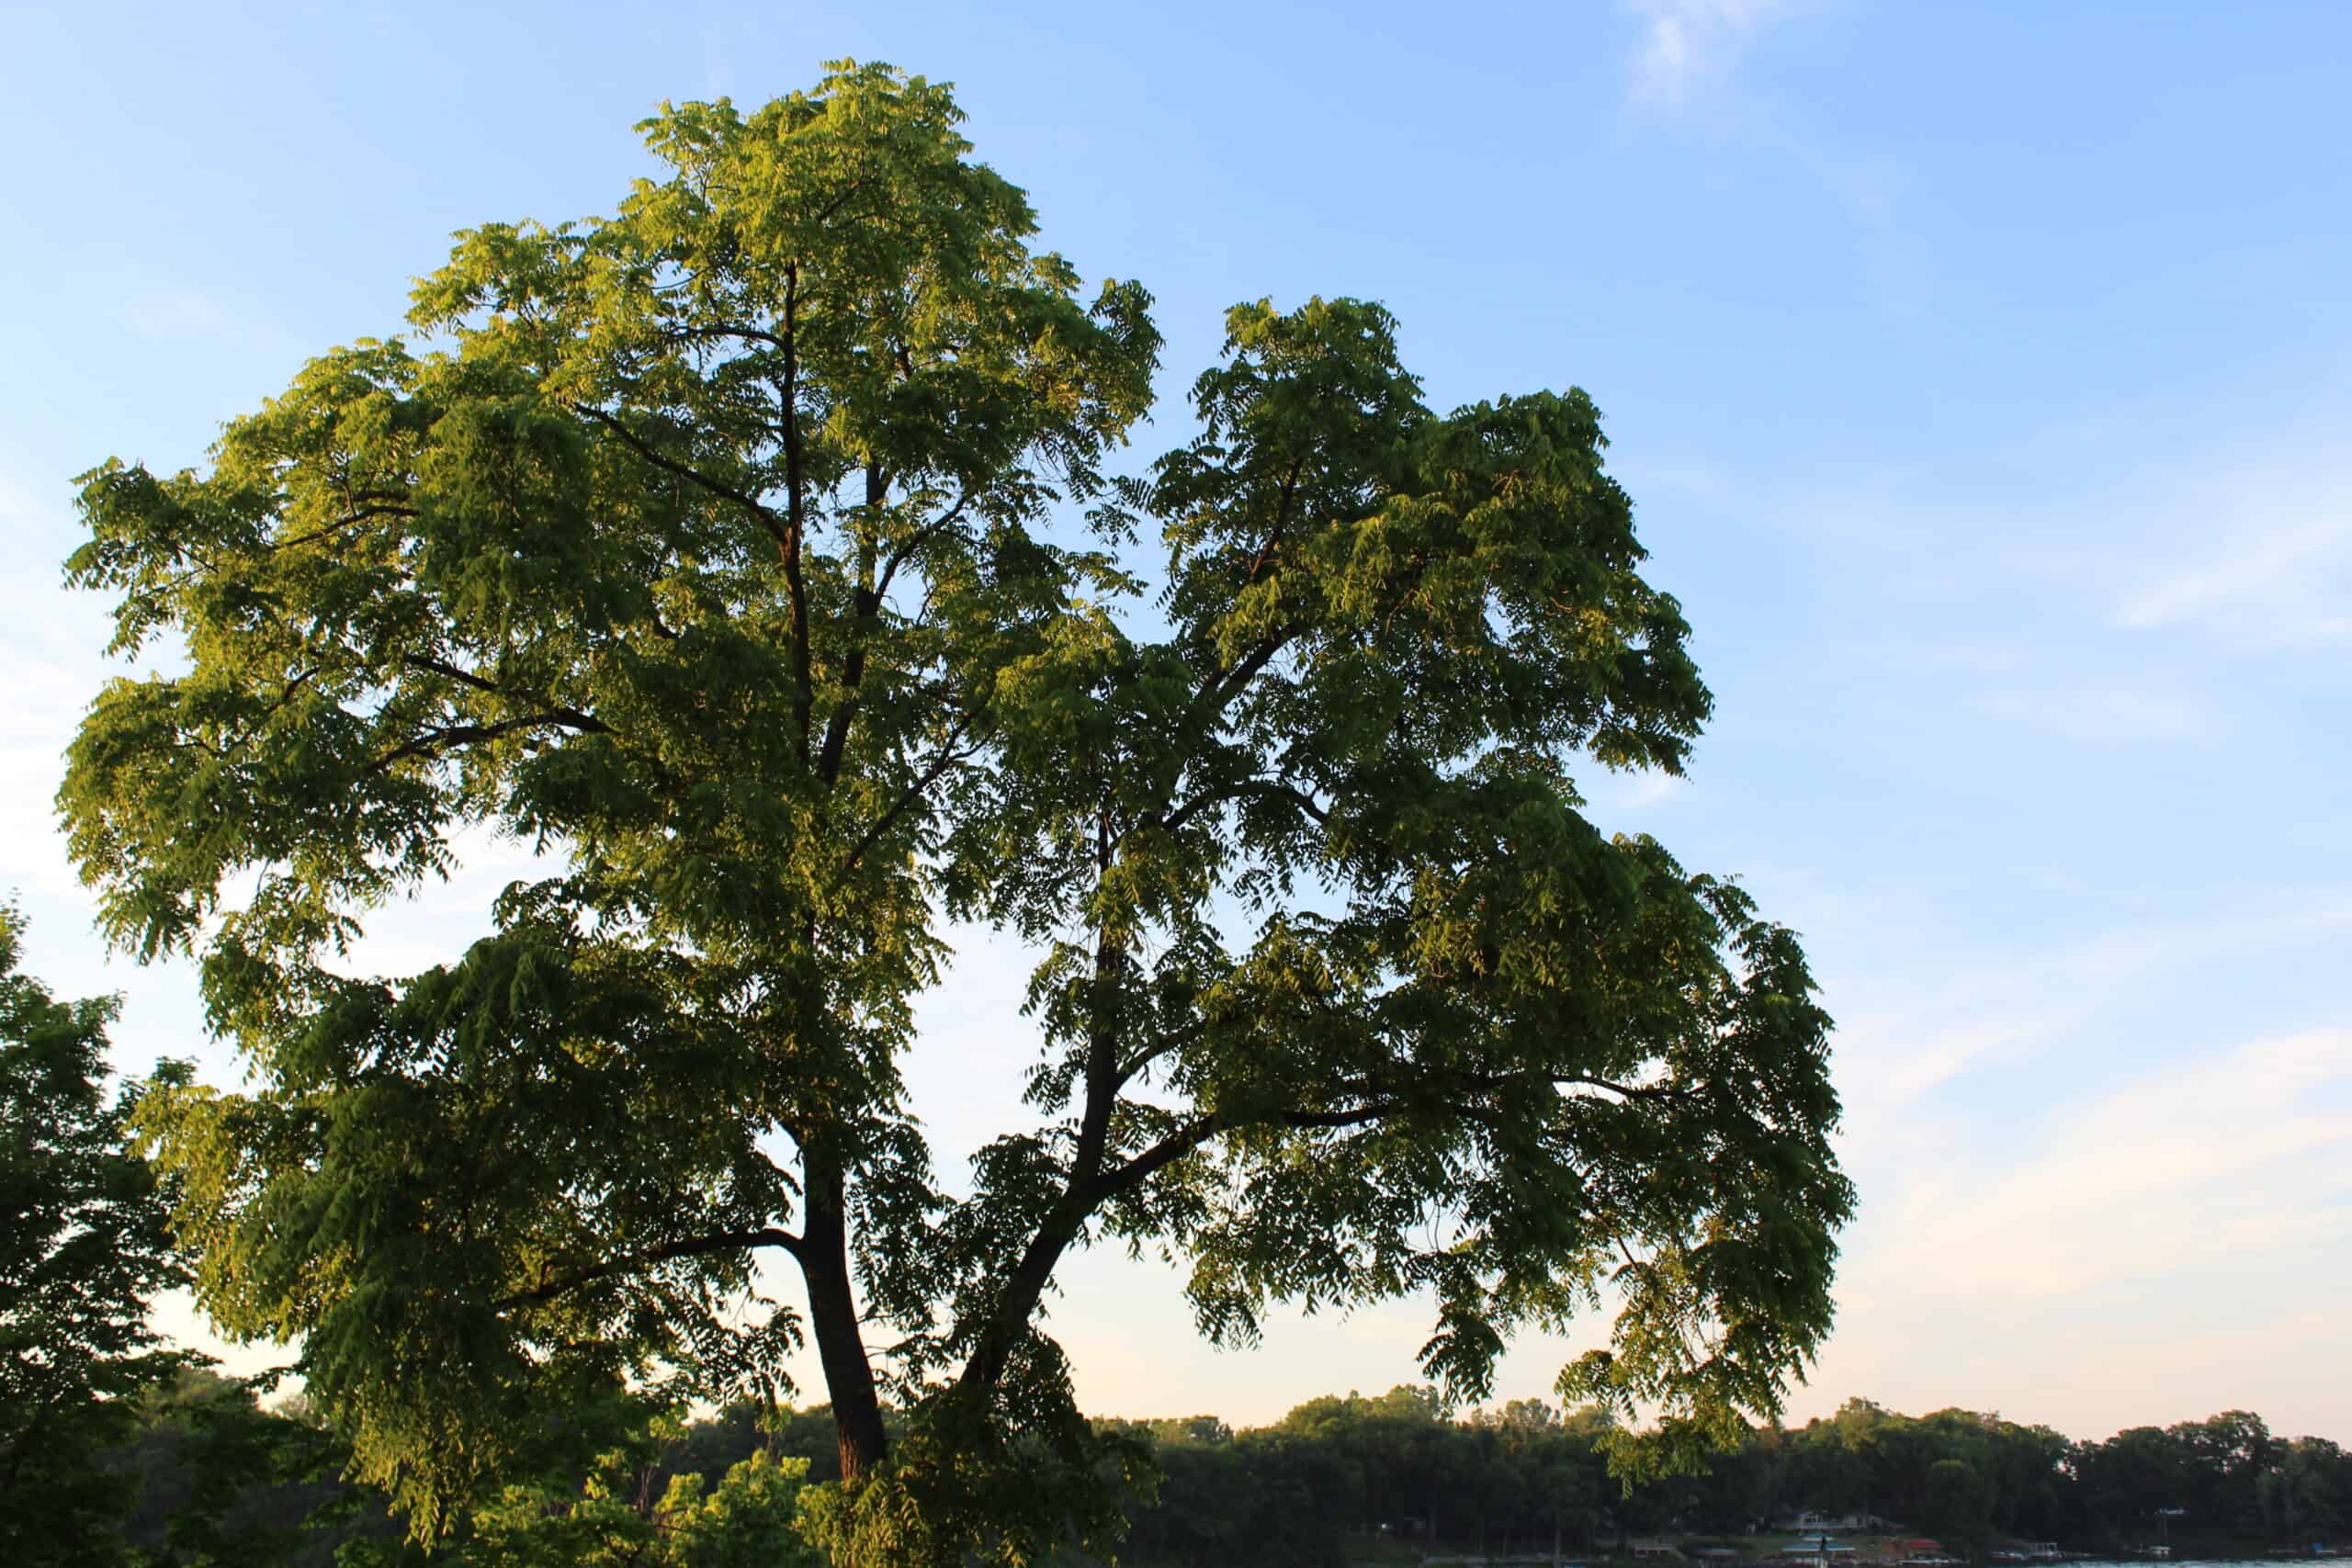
x=1806, y=1522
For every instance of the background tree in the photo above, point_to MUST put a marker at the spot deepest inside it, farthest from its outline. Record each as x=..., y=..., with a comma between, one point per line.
x=84, y=1249
x=2131, y=1475
x=710, y=549
x=221, y=1481
x=2311, y=1489
x=623, y=1508
x=2225, y=1455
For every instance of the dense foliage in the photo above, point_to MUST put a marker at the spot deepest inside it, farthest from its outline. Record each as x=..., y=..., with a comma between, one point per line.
x=1335, y=1473
x=214, y=1478
x=82, y=1249
x=752, y=551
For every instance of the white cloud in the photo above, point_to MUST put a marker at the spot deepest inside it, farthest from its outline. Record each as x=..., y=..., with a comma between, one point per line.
x=1634, y=794
x=2238, y=1149
x=2246, y=541
x=2063, y=1153
x=2149, y=1254
x=178, y=1318
x=1686, y=43
x=2283, y=574
x=1903, y=1046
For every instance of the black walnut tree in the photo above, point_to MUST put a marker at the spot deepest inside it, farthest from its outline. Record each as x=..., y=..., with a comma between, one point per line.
x=727, y=550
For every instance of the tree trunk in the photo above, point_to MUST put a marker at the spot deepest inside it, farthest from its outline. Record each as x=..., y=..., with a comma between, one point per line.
x=1014, y=1307
x=1025, y=1286
x=833, y=1318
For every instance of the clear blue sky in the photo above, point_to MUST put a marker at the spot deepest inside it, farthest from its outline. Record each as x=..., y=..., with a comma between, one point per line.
x=1982, y=374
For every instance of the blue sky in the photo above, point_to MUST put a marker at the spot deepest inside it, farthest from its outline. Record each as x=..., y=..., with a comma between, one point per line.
x=1981, y=374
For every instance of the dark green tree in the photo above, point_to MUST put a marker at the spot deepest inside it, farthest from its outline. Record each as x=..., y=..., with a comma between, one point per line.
x=2226, y=1457
x=1956, y=1506
x=2310, y=1492
x=84, y=1249
x=713, y=547
x=222, y=1481
x=2125, y=1480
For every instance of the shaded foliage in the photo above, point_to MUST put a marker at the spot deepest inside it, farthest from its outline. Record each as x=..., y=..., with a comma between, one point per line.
x=1336, y=1473
x=84, y=1247
x=211, y=1478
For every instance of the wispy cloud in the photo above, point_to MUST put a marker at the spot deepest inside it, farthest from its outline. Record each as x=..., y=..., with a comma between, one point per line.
x=2284, y=578
x=2113, y=1258
x=2140, y=1181
x=1899, y=1042
x=2245, y=541
x=1634, y=794
x=1687, y=43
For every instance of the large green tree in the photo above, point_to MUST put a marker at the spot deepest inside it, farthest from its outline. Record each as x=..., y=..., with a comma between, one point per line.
x=84, y=1248
x=727, y=549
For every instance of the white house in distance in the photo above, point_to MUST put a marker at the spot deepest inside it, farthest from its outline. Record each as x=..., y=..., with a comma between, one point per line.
x=1809, y=1523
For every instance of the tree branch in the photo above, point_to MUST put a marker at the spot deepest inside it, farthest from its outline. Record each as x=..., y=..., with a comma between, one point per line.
x=1175, y=820
x=455, y=672
x=697, y=1247
x=915, y=541
x=867, y=607
x=645, y=449
x=804, y=696
x=948, y=757
x=380, y=509
x=465, y=734
x=749, y=335
x=1151, y=1161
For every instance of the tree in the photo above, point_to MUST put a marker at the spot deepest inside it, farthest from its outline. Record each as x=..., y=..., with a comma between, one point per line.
x=2129, y=1477
x=1956, y=1504
x=221, y=1481
x=84, y=1247
x=2309, y=1488
x=2225, y=1456
x=608, y=1515
x=716, y=549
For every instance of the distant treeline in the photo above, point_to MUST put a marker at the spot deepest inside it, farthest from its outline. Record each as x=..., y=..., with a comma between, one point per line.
x=1335, y=1471
x=221, y=1479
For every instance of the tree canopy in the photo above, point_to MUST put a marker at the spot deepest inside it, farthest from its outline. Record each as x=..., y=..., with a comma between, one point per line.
x=754, y=552
x=84, y=1247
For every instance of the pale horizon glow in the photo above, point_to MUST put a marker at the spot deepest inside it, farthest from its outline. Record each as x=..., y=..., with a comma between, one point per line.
x=1981, y=376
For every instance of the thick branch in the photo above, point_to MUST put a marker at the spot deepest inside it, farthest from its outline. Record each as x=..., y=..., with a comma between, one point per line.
x=697, y=1247
x=1227, y=682
x=749, y=335
x=948, y=757
x=1151, y=1161
x=1272, y=788
x=764, y=514
x=1160, y=1047
x=804, y=696
x=864, y=612
x=455, y=672
x=365, y=514
x=466, y=734
x=916, y=541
